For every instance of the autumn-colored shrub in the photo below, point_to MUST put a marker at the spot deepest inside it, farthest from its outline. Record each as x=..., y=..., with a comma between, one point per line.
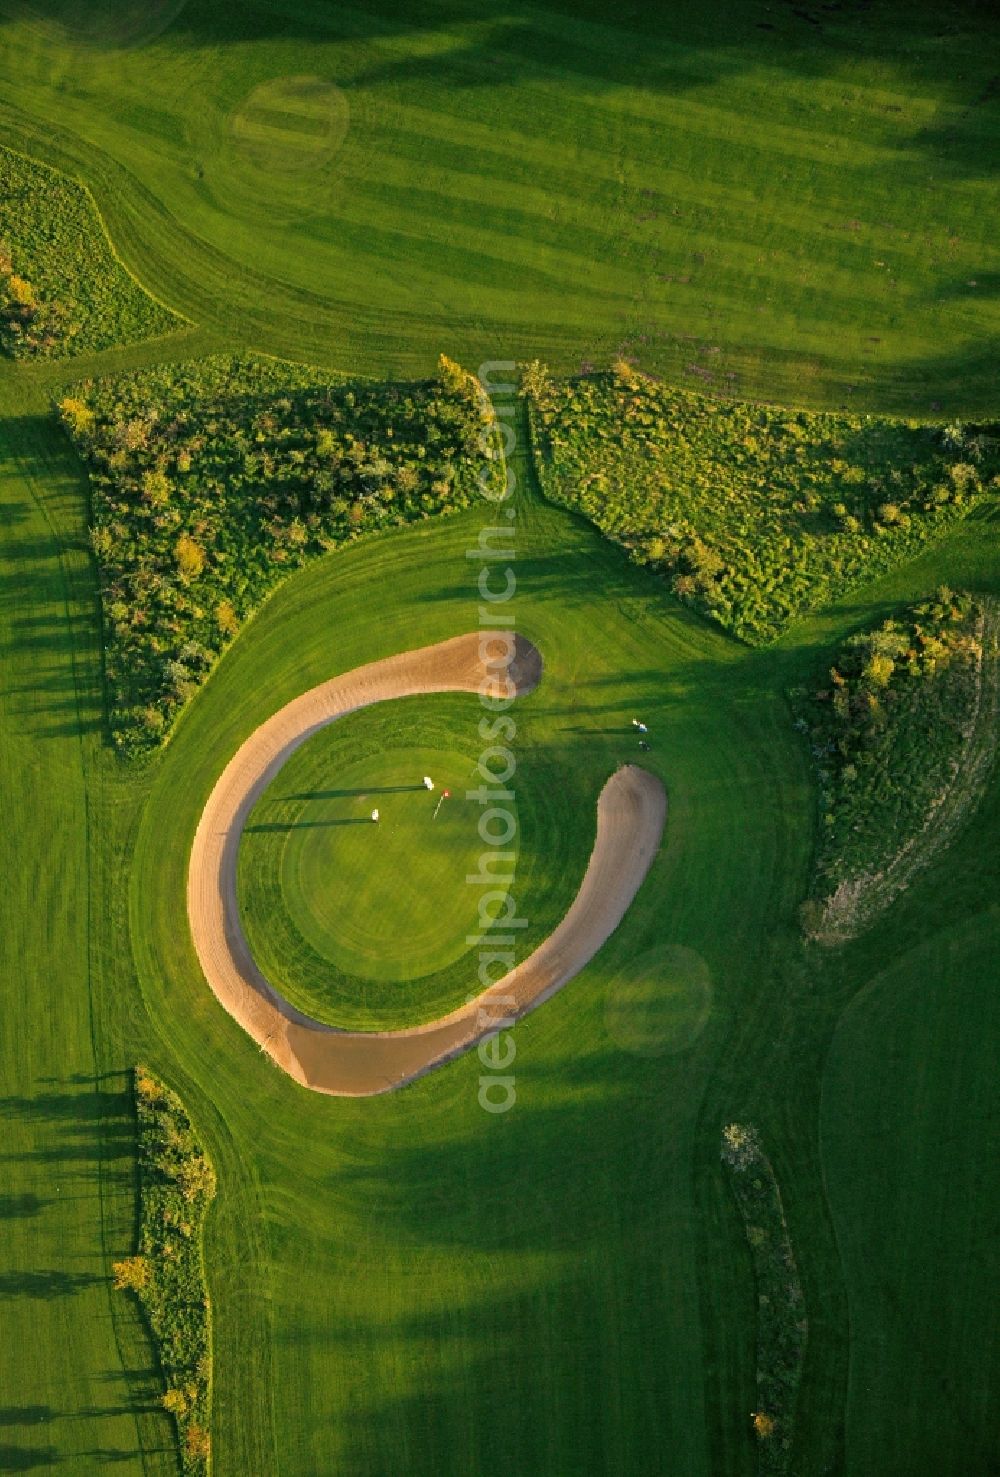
x=214, y=480
x=176, y=1187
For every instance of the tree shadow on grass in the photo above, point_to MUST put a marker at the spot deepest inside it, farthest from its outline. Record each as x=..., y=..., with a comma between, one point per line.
x=45, y=1285
x=27, y=1459
x=14, y=1207
x=95, y=1128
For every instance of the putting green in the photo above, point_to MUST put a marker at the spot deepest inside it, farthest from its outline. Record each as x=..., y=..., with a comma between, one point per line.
x=343, y=910
x=389, y=900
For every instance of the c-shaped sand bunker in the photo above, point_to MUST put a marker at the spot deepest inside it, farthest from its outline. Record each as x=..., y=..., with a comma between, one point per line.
x=631, y=812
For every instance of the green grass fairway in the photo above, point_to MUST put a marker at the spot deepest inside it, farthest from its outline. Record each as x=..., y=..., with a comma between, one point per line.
x=908, y=1120
x=795, y=203
x=77, y=1387
x=660, y=1002
x=395, y=1281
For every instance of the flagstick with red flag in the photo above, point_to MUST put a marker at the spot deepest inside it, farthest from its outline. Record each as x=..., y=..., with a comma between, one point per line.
x=443, y=797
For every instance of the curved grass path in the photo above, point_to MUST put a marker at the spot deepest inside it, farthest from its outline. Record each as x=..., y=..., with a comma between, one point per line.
x=631, y=812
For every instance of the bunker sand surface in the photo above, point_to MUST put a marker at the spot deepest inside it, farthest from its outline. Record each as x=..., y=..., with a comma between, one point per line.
x=631, y=812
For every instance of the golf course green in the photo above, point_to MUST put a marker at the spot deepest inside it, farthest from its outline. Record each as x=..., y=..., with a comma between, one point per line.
x=795, y=205
x=392, y=901
x=365, y=924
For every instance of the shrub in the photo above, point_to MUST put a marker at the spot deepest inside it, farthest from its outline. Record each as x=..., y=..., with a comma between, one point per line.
x=212, y=481
x=176, y=1187
x=782, y=1327
x=190, y=558
x=752, y=514
x=886, y=736
x=134, y=1272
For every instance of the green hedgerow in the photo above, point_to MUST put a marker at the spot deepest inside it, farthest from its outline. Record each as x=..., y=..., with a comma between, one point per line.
x=782, y=1326
x=167, y=1274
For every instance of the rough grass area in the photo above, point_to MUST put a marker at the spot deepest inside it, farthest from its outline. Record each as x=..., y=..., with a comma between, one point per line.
x=752, y=514
x=782, y=1327
x=214, y=480
x=167, y=1274
x=902, y=737
x=62, y=288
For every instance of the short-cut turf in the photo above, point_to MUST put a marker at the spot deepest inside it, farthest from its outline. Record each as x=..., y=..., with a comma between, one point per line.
x=371, y=1262
x=368, y=924
x=794, y=203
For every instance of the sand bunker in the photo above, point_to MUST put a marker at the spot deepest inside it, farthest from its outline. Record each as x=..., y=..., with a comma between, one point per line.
x=631, y=812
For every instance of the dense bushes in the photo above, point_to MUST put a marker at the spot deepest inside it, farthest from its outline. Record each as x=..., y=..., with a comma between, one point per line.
x=753, y=514
x=176, y=1186
x=62, y=289
x=890, y=731
x=782, y=1328
x=213, y=480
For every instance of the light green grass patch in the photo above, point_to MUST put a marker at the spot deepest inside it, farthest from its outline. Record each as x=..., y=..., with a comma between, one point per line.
x=800, y=210
x=368, y=924
x=390, y=900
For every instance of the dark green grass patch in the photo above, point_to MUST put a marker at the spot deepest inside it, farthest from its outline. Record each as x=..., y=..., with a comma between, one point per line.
x=908, y=1131
x=753, y=515
x=62, y=288
x=176, y=1187
x=214, y=480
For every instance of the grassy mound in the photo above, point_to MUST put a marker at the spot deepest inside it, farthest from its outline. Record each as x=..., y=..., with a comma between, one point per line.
x=754, y=515
x=167, y=1274
x=900, y=738
x=62, y=289
x=214, y=480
